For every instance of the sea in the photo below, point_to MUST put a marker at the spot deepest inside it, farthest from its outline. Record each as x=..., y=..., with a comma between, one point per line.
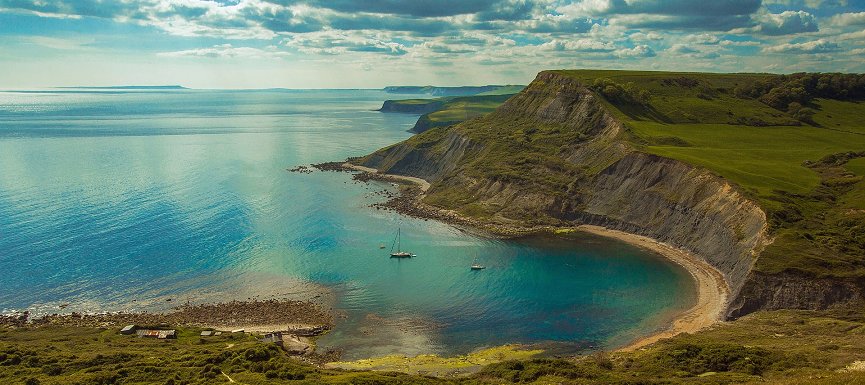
x=123, y=199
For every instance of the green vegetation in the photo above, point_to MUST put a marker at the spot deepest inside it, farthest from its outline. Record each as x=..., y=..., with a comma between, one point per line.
x=442, y=366
x=517, y=152
x=790, y=347
x=450, y=110
x=792, y=143
x=769, y=154
x=454, y=110
x=752, y=130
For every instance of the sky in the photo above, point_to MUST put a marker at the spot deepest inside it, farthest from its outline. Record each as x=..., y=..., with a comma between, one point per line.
x=377, y=43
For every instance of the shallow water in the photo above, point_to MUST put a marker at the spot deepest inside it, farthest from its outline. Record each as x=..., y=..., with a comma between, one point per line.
x=120, y=200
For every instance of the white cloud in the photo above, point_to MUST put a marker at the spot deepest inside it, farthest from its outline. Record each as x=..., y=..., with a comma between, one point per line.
x=811, y=47
x=682, y=49
x=647, y=36
x=582, y=45
x=639, y=51
x=848, y=19
x=337, y=42
x=744, y=43
x=703, y=38
x=228, y=51
x=814, y=4
x=785, y=23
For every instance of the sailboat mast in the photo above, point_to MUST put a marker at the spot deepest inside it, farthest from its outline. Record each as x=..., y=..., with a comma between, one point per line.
x=398, y=239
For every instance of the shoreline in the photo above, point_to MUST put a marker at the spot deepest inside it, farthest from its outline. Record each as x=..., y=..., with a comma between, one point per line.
x=253, y=315
x=712, y=290
x=424, y=185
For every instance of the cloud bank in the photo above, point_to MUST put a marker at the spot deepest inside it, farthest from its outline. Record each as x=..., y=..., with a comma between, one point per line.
x=513, y=37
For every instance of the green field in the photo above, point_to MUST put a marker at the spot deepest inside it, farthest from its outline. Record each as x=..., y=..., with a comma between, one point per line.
x=456, y=110
x=856, y=166
x=759, y=159
x=783, y=160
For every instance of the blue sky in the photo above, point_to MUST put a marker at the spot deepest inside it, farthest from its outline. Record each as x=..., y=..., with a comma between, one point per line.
x=375, y=43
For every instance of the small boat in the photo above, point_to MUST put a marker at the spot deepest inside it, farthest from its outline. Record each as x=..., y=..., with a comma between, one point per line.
x=382, y=246
x=478, y=267
x=399, y=253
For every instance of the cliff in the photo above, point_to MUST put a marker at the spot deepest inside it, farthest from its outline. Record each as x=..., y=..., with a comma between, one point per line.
x=573, y=166
x=644, y=153
x=766, y=292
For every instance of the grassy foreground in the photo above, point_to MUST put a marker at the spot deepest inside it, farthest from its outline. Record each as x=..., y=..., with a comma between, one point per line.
x=789, y=347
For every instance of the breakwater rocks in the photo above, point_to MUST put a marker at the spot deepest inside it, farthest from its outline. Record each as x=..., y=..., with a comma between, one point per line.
x=229, y=315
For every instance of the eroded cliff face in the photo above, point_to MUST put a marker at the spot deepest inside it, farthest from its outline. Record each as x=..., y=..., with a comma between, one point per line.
x=619, y=188
x=787, y=291
x=679, y=204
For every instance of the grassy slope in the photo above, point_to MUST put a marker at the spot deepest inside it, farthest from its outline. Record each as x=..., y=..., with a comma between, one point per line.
x=411, y=102
x=787, y=347
x=813, y=211
x=458, y=109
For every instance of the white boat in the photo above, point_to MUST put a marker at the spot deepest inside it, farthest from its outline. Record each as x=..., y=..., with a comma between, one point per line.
x=399, y=253
x=478, y=267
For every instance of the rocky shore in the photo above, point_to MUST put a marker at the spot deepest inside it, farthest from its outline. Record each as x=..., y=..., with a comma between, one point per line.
x=230, y=315
x=408, y=202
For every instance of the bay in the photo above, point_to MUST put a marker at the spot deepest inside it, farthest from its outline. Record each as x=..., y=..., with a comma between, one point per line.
x=121, y=200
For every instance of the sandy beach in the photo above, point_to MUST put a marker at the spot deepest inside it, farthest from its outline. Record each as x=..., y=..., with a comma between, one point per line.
x=712, y=289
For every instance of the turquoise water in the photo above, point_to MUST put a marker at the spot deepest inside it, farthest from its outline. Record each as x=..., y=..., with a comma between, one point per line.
x=120, y=200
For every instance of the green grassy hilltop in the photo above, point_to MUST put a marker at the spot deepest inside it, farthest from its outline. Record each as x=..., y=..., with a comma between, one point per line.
x=782, y=151
x=794, y=144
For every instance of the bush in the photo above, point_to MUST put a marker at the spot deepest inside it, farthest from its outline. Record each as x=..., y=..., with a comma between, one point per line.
x=52, y=369
x=531, y=370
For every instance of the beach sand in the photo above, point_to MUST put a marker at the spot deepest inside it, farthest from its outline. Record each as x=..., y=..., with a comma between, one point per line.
x=712, y=289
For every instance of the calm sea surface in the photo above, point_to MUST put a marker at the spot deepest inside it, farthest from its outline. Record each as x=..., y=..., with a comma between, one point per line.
x=120, y=200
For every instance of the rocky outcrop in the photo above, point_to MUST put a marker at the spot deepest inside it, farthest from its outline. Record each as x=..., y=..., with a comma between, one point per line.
x=789, y=291
x=425, y=163
x=556, y=99
x=620, y=188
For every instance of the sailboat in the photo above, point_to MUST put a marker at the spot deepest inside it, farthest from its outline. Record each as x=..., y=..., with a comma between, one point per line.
x=477, y=266
x=399, y=253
